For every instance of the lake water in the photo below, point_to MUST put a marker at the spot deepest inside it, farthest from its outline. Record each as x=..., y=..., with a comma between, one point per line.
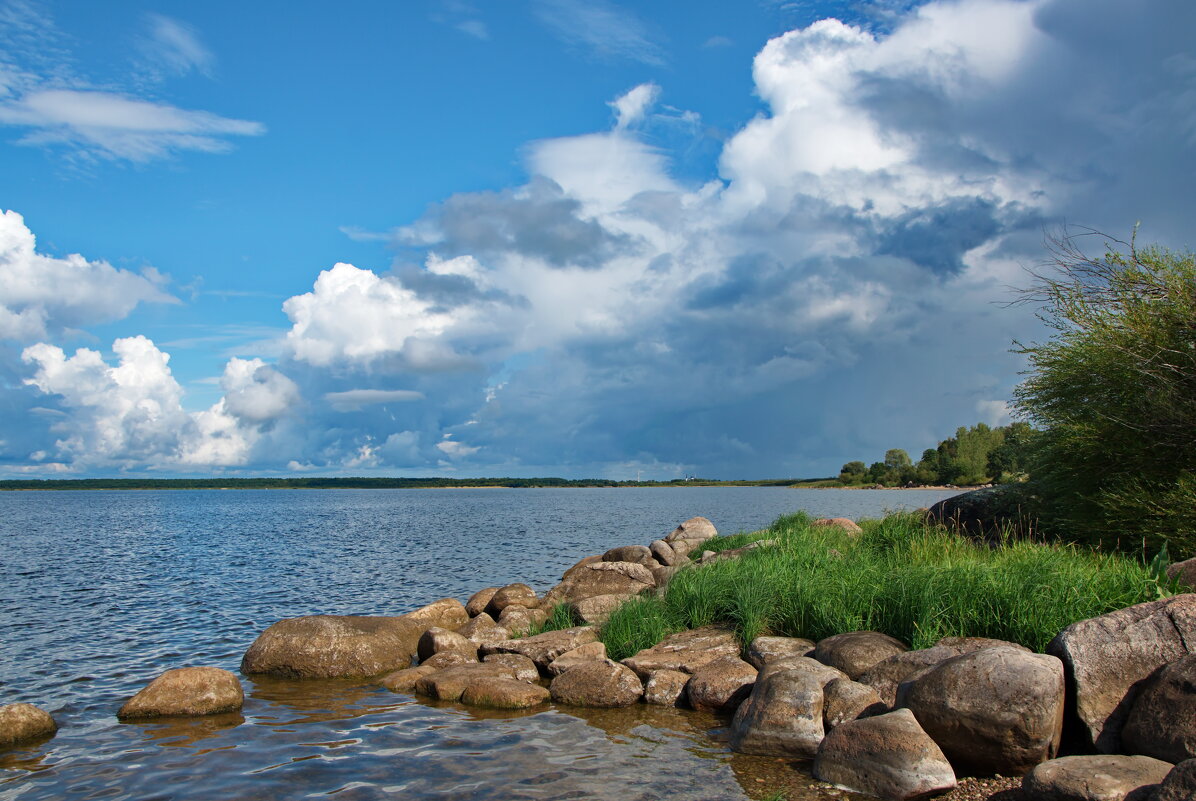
x=102, y=591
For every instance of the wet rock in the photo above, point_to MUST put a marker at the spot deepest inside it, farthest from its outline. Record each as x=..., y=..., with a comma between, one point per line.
x=448, y=659
x=346, y=646
x=22, y=723
x=886, y=675
x=524, y=669
x=1184, y=572
x=857, y=651
x=1106, y=657
x=500, y=693
x=544, y=648
x=782, y=716
x=1180, y=784
x=841, y=523
x=888, y=756
x=769, y=649
x=998, y=710
x=590, y=652
x=519, y=620
x=600, y=684
x=1162, y=720
x=685, y=651
x=190, y=691
x=478, y=602
x=436, y=639
x=404, y=681
x=720, y=685
x=844, y=700
x=511, y=595
x=450, y=683
x=639, y=554
x=666, y=687
x=1095, y=778
x=597, y=610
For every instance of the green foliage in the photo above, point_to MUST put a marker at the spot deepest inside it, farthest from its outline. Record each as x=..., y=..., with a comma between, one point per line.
x=560, y=617
x=853, y=473
x=1114, y=391
x=916, y=582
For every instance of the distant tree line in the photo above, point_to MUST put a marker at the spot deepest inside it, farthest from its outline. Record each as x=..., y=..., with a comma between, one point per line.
x=360, y=482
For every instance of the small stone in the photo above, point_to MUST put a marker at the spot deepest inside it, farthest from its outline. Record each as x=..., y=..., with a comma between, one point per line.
x=190, y=691
x=665, y=687
x=841, y=523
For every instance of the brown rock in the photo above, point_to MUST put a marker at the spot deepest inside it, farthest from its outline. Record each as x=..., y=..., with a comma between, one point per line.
x=888, y=756
x=500, y=693
x=696, y=528
x=1095, y=778
x=640, y=554
x=999, y=710
x=590, y=652
x=477, y=603
x=448, y=659
x=769, y=649
x=857, y=651
x=601, y=578
x=23, y=723
x=544, y=648
x=685, y=651
x=782, y=716
x=190, y=691
x=886, y=675
x=1180, y=784
x=511, y=595
x=824, y=673
x=346, y=646
x=601, y=684
x=523, y=668
x=450, y=683
x=844, y=700
x=841, y=523
x=666, y=687
x=404, y=681
x=436, y=639
x=663, y=575
x=720, y=685
x=1184, y=572
x=1162, y=720
x=597, y=610
x=519, y=620
x=967, y=645
x=482, y=629
x=735, y=553
x=1106, y=657
x=664, y=553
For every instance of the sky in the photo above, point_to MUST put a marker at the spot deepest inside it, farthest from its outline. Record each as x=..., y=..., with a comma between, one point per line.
x=576, y=238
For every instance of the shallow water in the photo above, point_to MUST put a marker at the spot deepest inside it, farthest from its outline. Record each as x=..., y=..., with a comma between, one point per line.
x=102, y=591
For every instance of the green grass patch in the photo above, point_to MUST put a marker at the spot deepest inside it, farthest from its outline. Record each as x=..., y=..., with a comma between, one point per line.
x=916, y=582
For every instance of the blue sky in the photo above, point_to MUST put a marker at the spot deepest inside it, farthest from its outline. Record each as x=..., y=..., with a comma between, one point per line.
x=552, y=237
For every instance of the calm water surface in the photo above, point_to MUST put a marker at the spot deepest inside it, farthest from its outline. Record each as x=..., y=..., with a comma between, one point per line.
x=102, y=591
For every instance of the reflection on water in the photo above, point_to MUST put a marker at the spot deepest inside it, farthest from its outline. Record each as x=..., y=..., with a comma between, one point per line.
x=103, y=591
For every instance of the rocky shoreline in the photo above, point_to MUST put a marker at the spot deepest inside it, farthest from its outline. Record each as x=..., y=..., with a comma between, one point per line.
x=1106, y=714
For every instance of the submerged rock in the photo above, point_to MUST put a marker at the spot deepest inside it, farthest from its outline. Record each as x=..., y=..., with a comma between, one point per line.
x=22, y=723
x=502, y=693
x=190, y=691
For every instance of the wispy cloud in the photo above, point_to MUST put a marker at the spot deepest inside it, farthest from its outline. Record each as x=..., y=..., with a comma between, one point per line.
x=172, y=47
x=601, y=28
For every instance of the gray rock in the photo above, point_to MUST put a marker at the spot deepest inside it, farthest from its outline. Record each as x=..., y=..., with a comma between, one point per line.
x=720, y=685
x=601, y=684
x=888, y=756
x=190, y=691
x=523, y=668
x=436, y=639
x=598, y=609
x=1180, y=784
x=1184, y=572
x=1162, y=720
x=685, y=651
x=639, y=554
x=857, y=651
x=544, y=648
x=590, y=652
x=1106, y=658
x=886, y=675
x=1095, y=778
x=769, y=649
x=666, y=687
x=844, y=700
x=23, y=723
x=782, y=716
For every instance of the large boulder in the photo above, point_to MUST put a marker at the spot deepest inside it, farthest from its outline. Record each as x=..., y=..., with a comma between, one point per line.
x=23, y=723
x=544, y=648
x=1095, y=778
x=685, y=651
x=1183, y=572
x=857, y=651
x=721, y=685
x=521, y=667
x=1107, y=657
x=987, y=512
x=769, y=649
x=346, y=646
x=597, y=609
x=886, y=675
x=888, y=756
x=1180, y=784
x=782, y=716
x=999, y=710
x=590, y=652
x=478, y=602
x=191, y=691
x=844, y=700
x=825, y=673
x=600, y=578
x=450, y=683
x=689, y=535
x=519, y=620
x=436, y=639
x=601, y=683
x=511, y=595
x=496, y=692
x=1162, y=720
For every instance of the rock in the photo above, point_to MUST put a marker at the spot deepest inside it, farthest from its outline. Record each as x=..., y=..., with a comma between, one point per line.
x=665, y=687
x=477, y=603
x=482, y=629
x=844, y=700
x=857, y=651
x=22, y=723
x=519, y=620
x=639, y=554
x=544, y=648
x=523, y=668
x=1106, y=657
x=782, y=716
x=685, y=651
x=769, y=649
x=1184, y=572
x=824, y=673
x=1180, y=784
x=987, y=512
x=998, y=710
x=690, y=534
x=841, y=523
x=404, y=681
x=886, y=675
x=602, y=684
x=450, y=683
x=500, y=693
x=579, y=566
x=511, y=595
x=664, y=553
x=601, y=578
x=189, y=691
x=436, y=639
x=590, y=652
x=597, y=609
x=966, y=645
x=1162, y=719
x=448, y=659
x=721, y=685
x=346, y=646
x=1095, y=778
x=663, y=575
x=888, y=756
x=735, y=553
